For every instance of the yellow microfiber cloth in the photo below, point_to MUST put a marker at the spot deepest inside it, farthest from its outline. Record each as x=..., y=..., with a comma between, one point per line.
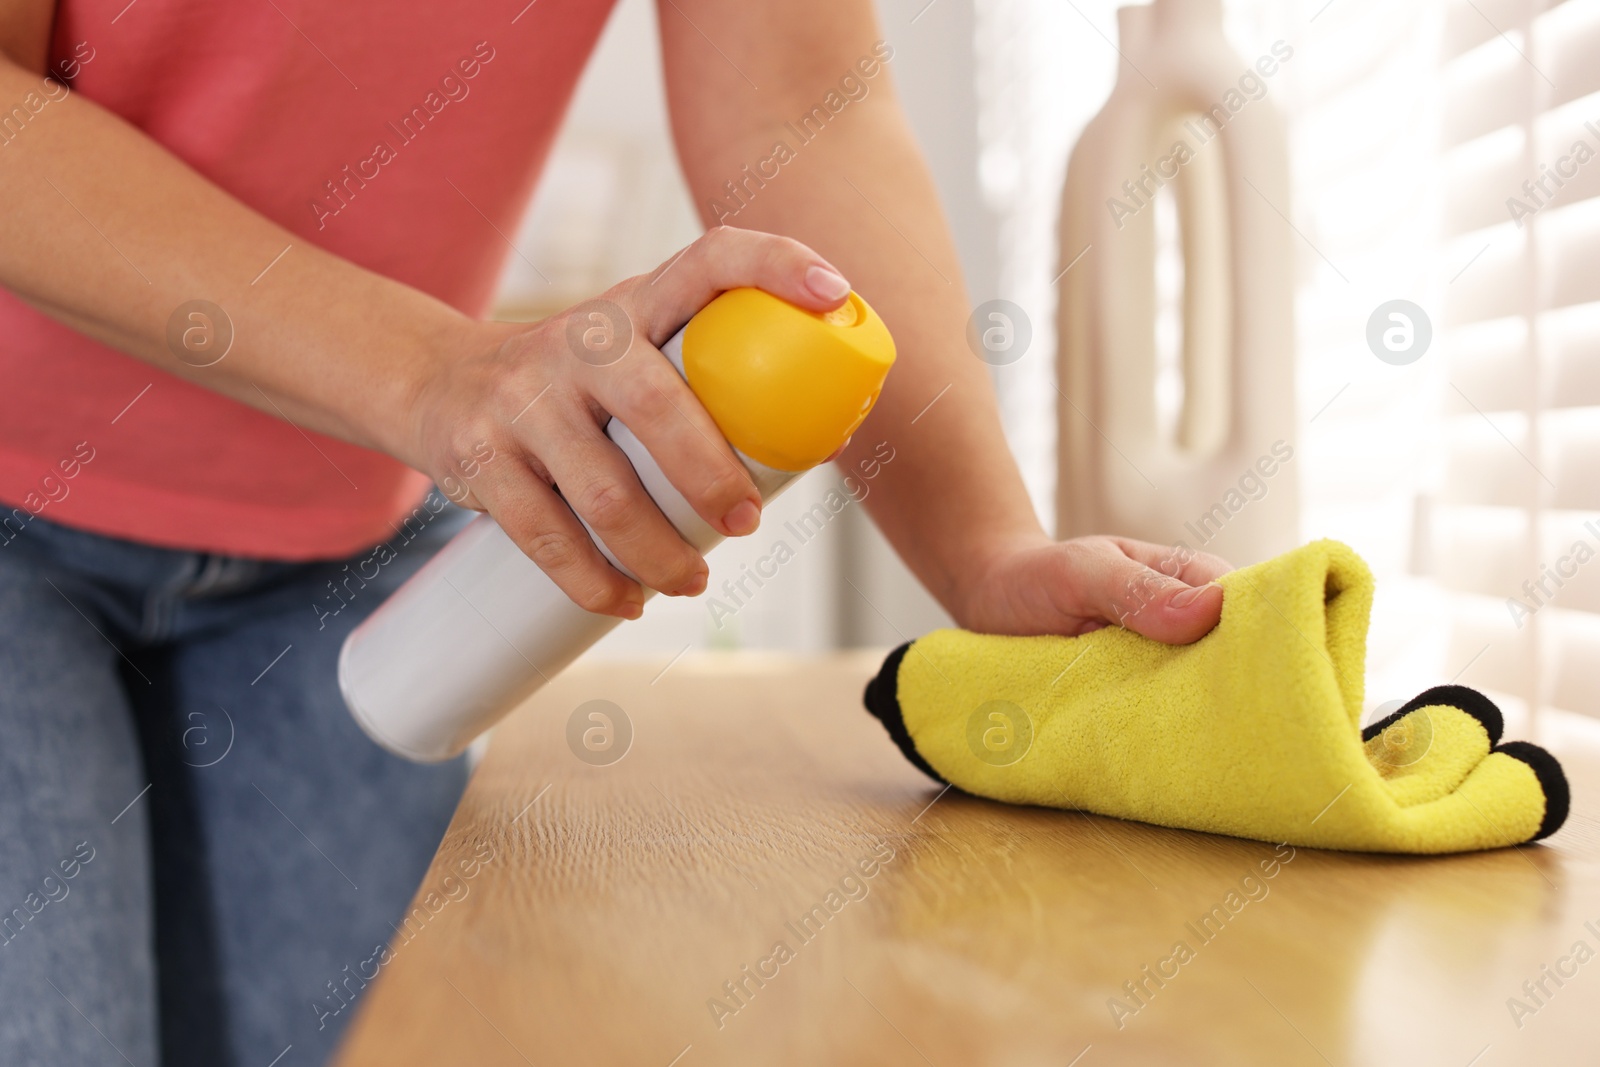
x=1254, y=730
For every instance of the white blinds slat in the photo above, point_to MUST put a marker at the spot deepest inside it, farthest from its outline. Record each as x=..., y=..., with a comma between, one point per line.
x=1488, y=461
x=1470, y=23
x=1573, y=442
x=1491, y=288
x=1571, y=340
x=1570, y=264
x=1476, y=550
x=1568, y=39
x=1482, y=96
x=1492, y=162
x=1568, y=574
x=1488, y=364
x=1562, y=139
x=1575, y=647
x=1484, y=638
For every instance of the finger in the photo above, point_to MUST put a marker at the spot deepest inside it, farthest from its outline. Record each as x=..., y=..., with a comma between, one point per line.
x=599, y=483
x=544, y=527
x=654, y=402
x=1150, y=603
x=727, y=258
x=1176, y=561
x=459, y=493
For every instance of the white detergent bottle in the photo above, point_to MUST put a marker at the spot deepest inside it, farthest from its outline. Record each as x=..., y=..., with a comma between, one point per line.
x=480, y=627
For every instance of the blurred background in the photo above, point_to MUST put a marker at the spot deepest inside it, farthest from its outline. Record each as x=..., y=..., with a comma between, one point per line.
x=1466, y=476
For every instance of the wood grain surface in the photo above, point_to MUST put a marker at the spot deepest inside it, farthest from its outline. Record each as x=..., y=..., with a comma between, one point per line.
x=608, y=905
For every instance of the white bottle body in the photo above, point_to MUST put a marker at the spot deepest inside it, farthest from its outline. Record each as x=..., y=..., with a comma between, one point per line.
x=480, y=627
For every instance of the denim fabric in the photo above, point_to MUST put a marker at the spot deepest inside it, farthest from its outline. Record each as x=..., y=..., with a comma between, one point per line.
x=195, y=837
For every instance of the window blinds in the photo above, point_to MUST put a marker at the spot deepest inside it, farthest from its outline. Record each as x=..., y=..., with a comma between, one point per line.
x=1517, y=523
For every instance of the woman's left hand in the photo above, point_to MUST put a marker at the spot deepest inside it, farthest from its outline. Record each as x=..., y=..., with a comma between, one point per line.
x=1041, y=586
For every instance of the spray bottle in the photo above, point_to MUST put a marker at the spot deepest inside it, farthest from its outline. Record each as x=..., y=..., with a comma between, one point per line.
x=480, y=627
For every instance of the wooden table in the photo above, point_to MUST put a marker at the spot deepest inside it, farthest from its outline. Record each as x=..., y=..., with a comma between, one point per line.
x=621, y=898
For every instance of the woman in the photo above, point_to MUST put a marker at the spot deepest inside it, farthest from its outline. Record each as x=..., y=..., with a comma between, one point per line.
x=247, y=250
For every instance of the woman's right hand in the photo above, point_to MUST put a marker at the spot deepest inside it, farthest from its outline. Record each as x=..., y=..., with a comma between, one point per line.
x=520, y=409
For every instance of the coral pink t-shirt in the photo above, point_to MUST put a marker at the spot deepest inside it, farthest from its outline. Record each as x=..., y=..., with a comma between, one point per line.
x=272, y=101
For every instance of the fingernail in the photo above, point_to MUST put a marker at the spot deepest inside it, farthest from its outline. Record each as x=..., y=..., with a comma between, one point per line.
x=631, y=610
x=826, y=284
x=693, y=587
x=1187, y=596
x=743, y=519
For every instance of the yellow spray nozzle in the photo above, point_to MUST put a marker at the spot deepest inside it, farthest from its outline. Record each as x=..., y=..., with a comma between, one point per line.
x=786, y=386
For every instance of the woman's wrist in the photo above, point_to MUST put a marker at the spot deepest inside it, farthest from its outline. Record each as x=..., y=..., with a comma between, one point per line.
x=431, y=353
x=973, y=575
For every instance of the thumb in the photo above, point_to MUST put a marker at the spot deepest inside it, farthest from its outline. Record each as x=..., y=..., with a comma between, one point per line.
x=1164, y=609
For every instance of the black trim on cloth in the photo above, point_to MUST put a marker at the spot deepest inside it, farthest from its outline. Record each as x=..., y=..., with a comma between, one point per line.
x=1552, y=780
x=882, y=699
x=1459, y=697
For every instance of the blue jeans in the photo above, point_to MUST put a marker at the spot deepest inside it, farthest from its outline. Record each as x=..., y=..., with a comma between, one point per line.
x=196, y=840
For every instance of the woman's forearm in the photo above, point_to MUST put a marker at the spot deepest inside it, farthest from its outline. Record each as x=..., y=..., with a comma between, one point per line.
x=952, y=498
x=107, y=231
